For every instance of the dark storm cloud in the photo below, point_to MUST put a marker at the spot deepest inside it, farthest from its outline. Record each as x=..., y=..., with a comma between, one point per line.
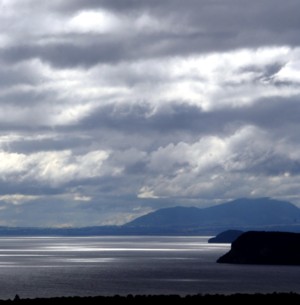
x=271, y=113
x=68, y=54
x=66, y=141
x=268, y=11
x=13, y=186
x=192, y=27
x=11, y=78
x=31, y=98
x=136, y=118
x=276, y=166
x=264, y=73
x=106, y=50
x=118, y=5
x=273, y=20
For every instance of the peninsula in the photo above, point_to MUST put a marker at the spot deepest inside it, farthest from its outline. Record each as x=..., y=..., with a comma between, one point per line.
x=264, y=248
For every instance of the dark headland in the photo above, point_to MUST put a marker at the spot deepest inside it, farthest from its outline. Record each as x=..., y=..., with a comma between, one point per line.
x=225, y=237
x=267, y=248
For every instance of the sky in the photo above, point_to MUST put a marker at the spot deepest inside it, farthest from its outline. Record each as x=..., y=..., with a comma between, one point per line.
x=112, y=109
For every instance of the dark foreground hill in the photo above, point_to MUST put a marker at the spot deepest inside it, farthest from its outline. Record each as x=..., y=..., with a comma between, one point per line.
x=234, y=299
x=268, y=248
x=242, y=214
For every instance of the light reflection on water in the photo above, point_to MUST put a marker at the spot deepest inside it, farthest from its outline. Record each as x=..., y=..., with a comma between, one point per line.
x=56, y=266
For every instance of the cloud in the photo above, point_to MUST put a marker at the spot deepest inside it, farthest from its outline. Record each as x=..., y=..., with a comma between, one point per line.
x=17, y=199
x=70, y=38
x=146, y=193
x=51, y=167
x=93, y=21
x=79, y=197
x=111, y=109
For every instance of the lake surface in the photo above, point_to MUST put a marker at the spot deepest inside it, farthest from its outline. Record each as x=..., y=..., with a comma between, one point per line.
x=89, y=266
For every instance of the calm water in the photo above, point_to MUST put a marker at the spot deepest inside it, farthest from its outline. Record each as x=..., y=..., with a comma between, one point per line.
x=38, y=267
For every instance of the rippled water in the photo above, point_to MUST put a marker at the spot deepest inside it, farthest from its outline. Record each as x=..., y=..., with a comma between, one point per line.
x=55, y=266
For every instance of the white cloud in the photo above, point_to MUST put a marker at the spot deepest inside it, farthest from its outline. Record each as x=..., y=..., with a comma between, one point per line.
x=215, y=166
x=290, y=72
x=54, y=167
x=79, y=197
x=99, y=21
x=146, y=193
x=211, y=81
x=14, y=163
x=18, y=199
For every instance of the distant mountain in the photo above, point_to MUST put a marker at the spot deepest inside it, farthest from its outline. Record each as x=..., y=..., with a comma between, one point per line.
x=226, y=237
x=243, y=214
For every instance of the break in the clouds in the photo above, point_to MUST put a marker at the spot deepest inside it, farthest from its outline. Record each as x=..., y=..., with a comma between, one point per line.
x=110, y=109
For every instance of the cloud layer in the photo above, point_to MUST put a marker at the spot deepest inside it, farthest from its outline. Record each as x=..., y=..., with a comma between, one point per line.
x=110, y=109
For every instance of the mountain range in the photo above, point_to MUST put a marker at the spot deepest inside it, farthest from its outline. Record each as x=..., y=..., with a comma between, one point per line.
x=241, y=214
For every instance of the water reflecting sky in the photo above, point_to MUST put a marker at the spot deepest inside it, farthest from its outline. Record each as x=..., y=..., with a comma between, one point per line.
x=56, y=266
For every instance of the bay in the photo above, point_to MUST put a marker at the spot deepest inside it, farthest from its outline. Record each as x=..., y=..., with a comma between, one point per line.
x=109, y=265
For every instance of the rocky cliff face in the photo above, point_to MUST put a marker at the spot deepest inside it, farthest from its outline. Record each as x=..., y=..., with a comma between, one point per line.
x=270, y=248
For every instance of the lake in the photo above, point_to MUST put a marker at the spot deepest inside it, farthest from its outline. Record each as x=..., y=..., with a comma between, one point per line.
x=109, y=265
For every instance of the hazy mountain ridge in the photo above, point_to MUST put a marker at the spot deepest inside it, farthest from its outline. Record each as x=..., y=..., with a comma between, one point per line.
x=240, y=213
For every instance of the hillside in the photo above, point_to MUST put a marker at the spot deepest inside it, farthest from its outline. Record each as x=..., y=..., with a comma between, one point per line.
x=267, y=248
x=238, y=214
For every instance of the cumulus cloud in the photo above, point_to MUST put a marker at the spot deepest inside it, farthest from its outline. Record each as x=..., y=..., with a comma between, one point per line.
x=51, y=167
x=110, y=109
